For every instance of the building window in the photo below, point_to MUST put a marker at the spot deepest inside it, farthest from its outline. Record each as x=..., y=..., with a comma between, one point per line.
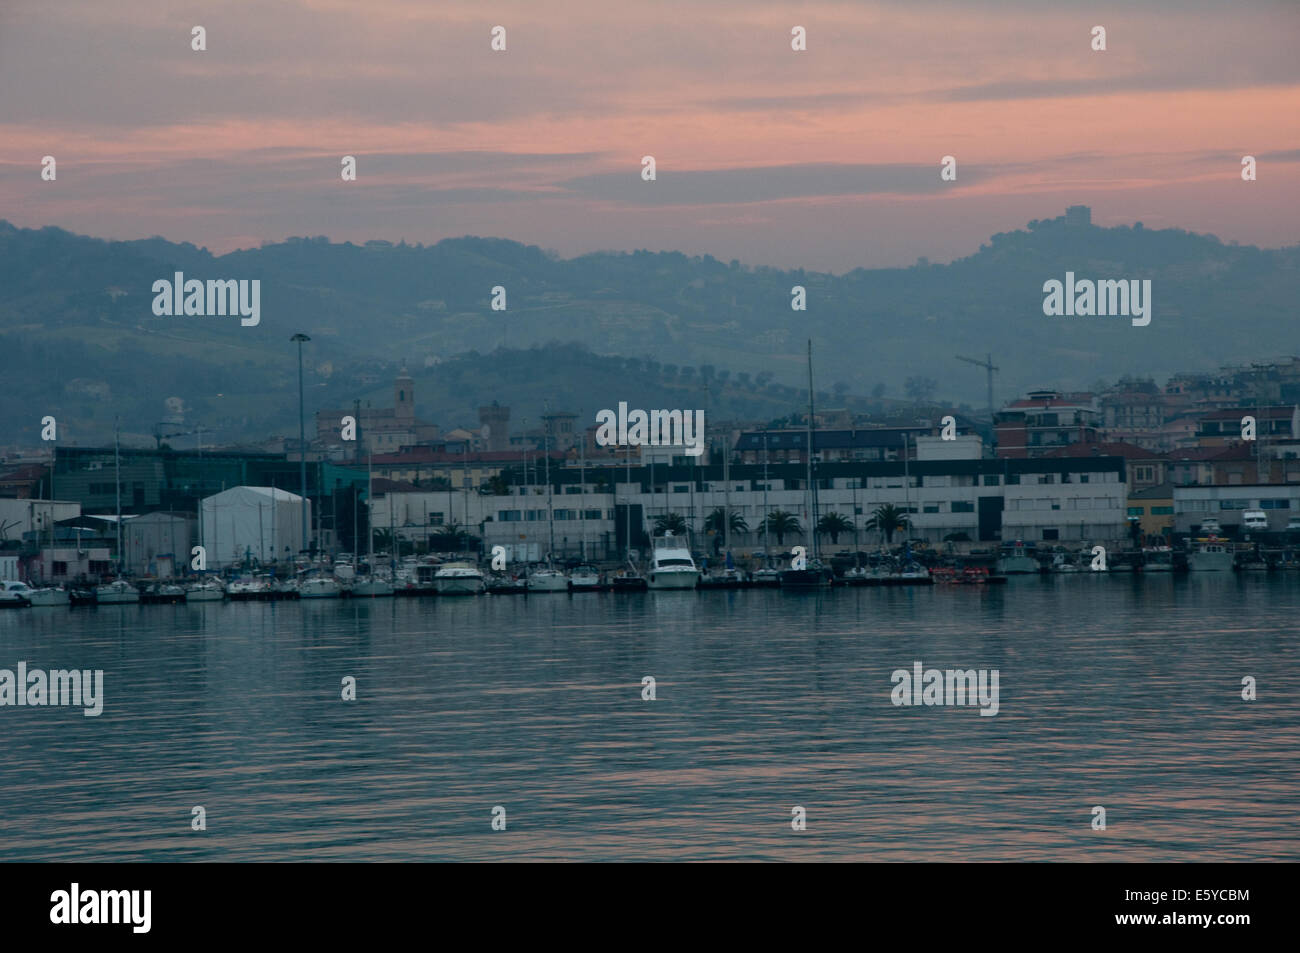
x=1275, y=504
x=435, y=519
x=1234, y=504
x=990, y=479
x=1136, y=510
x=961, y=506
x=1051, y=534
x=1162, y=511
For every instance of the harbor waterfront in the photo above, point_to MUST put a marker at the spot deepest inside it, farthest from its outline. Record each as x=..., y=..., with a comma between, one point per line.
x=1115, y=690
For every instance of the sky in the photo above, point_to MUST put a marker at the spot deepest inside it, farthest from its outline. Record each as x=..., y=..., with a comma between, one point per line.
x=826, y=159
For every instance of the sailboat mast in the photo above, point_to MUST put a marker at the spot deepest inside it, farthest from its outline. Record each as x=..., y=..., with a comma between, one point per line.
x=812, y=487
x=117, y=479
x=370, y=511
x=767, y=556
x=550, y=514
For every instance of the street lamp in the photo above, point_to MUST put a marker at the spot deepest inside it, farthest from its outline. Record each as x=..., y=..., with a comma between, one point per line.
x=302, y=439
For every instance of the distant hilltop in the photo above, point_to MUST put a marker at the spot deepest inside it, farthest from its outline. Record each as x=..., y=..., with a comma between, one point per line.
x=79, y=308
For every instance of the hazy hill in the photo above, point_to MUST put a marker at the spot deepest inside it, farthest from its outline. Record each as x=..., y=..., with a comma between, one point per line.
x=79, y=338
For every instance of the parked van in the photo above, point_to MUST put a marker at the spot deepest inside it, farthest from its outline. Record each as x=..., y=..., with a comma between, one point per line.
x=1210, y=527
x=1254, y=520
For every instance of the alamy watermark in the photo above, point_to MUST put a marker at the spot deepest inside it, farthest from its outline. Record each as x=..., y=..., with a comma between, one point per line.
x=656, y=428
x=212, y=298
x=951, y=687
x=77, y=906
x=1085, y=298
x=36, y=687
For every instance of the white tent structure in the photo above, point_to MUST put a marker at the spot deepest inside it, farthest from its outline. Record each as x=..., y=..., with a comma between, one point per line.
x=261, y=522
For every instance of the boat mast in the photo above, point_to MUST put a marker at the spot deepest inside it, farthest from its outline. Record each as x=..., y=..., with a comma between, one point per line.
x=370, y=512
x=582, y=492
x=812, y=488
x=117, y=478
x=550, y=514
x=726, y=495
x=767, y=556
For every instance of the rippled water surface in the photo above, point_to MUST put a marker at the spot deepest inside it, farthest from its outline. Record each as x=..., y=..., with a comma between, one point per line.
x=1119, y=692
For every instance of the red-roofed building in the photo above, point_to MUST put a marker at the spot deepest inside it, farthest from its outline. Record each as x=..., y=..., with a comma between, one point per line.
x=1044, y=421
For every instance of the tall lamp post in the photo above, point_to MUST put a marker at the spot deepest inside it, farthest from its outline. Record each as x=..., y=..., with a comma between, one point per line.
x=302, y=439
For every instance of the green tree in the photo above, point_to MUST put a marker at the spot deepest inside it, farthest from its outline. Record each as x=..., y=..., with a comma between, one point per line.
x=888, y=518
x=832, y=524
x=780, y=522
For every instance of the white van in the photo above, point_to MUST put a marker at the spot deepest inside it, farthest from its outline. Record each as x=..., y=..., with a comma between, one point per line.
x=1254, y=520
x=1210, y=527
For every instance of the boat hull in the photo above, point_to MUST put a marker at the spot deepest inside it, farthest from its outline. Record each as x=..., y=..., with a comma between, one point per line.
x=205, y=595
x=548, y=584
x=1209, y=562
x=460, y=586
x=49, y=597
x=673, y=579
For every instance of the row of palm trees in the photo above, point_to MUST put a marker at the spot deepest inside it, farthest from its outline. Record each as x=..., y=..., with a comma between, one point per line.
x=887, y=519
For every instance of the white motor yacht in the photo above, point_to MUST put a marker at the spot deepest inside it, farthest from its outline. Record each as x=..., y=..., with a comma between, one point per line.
x=459, y=579
x=671, y=564
x=14, y=593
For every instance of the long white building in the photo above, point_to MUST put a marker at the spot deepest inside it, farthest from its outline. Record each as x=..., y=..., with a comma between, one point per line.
x=1065, y=500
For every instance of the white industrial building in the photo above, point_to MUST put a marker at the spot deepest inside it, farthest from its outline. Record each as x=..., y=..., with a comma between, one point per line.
x=252, y=522
x=1065, y=500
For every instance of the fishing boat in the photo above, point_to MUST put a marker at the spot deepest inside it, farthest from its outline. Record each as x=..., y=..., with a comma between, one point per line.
x=459, y=579
x=209, y=589
x=1210, y=555
x=50, y=596
x=1017, y=559
x=671, y=564
x=117, y=592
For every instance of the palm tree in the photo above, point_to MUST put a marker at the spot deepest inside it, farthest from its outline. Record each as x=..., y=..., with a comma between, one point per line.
x=736, y=522
x=713, y=523
x=670, y=522
x=888, y=518
x=832, y=524
x=780, y=522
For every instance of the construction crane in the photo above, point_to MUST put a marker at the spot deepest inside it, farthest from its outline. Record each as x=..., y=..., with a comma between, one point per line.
x=987, y=364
